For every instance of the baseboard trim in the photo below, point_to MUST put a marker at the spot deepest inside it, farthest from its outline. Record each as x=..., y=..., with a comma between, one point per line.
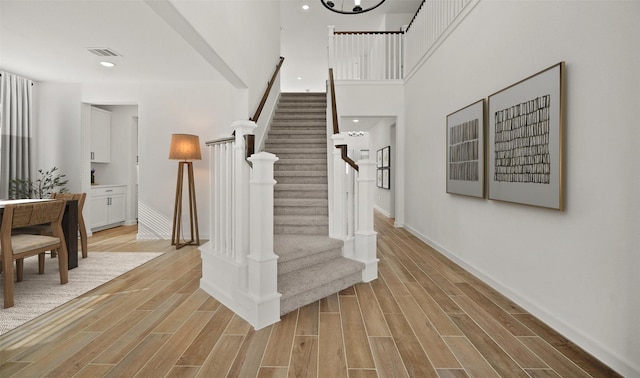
x=583, y=341
x=382, y=211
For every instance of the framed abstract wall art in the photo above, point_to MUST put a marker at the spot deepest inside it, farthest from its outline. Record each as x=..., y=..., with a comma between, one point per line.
x=525, y=146
x=465, y=150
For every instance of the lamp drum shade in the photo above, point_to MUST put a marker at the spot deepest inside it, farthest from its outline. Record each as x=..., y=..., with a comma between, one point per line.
x=185, y=147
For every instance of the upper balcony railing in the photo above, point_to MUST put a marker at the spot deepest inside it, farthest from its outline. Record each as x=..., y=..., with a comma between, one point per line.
x=366, y=55
x=381, y=55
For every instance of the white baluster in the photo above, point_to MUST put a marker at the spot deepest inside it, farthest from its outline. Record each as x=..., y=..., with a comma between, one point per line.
x=338, y=204
x=240, y=203
x=226, y=195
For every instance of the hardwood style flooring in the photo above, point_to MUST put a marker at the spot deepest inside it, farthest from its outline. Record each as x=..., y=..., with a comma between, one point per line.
x=423, y=317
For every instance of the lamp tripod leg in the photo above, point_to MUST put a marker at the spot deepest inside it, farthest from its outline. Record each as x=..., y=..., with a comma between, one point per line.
x=193, y=211
x=177, y=210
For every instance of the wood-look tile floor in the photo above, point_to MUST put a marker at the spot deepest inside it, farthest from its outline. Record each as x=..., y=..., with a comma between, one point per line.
x=423, y=317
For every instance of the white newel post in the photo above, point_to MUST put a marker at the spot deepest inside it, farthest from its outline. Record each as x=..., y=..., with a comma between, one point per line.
x=365, y=235
x=263, y=263
x=338, y=204
x=240, y=242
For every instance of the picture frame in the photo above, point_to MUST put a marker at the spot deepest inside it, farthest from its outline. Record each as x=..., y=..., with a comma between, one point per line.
x=386, y=178
x=465, y=150
x=379, y=158
x=386, y=152
x=379, y=178
x=525, y=144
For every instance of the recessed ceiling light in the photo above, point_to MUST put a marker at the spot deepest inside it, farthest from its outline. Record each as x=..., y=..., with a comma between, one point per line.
x=299, y=78
x=356, y=120
x=305, y=7
x=107, y=64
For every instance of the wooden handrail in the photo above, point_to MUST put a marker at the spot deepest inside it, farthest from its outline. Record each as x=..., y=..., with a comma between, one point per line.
x=369, y=32
x=219, y=141
x=267, y=91
x=334, y=110
x=336, y=128
x=346, y=158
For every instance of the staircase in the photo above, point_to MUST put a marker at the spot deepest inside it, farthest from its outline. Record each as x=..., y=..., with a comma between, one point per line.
x=310, y=264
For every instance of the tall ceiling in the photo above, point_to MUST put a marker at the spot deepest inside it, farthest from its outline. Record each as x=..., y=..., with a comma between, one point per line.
x=49, y=40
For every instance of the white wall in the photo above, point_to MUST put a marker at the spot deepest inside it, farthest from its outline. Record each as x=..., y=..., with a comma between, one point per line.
x=57, y=130
x=246, y=36
x=377, y=99
x=164, y=108
x=380, y=138
x=395, y=21
x=204, y=109
x=577, y=270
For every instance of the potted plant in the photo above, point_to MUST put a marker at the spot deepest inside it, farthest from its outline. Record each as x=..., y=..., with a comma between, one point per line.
x=46, y=183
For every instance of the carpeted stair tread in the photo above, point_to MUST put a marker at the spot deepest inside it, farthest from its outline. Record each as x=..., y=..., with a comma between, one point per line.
x=300, y=251
x=283, y=140
x=301, y=210
x=301, y=229
x=305, y=279
x=297, y=187
x=301, y=161
x=301, y=194
x=304, y=286
x=299, y=116
x=301, y=202
x=290, y=247
x=314, y=106
x=318, y=109
x=300, y=220
x=287, y=132
x=299, y=155
x=296, y=150
x=300, y=173
x=299, y=128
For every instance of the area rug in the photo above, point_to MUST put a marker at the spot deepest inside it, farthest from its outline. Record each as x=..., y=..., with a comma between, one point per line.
x=40, y=293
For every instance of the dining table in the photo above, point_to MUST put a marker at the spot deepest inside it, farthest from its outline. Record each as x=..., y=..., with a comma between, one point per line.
x=69, y=226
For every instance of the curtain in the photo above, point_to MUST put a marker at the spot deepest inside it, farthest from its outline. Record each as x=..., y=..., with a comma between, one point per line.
x=15, y=129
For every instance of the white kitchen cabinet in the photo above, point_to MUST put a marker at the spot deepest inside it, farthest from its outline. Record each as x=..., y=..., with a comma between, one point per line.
x=108, y=205
x=100, y=135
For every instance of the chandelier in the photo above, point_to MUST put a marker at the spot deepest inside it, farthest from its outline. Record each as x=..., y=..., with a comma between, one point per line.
x=346, y=7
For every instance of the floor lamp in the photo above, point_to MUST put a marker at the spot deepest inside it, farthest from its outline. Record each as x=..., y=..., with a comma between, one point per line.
x=185, y=147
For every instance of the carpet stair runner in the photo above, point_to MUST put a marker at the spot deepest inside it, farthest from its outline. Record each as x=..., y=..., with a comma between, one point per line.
x=310, y=264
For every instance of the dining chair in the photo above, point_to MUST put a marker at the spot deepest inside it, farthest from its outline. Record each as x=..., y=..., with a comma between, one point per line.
x=80, y=197
x=18, y=246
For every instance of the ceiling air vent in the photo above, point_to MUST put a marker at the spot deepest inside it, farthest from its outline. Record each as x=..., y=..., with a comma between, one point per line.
x=102, y=51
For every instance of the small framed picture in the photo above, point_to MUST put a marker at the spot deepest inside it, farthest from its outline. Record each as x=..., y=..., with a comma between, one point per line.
x=379, y=158
x=379, y=179
x=386, y=184
x=386, y=163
